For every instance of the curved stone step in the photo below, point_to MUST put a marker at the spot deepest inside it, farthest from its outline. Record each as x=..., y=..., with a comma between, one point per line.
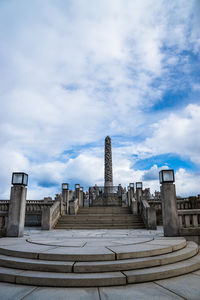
x=36, y=264
x=99, y=279
x=102, y=266
x=152, y=248
x=61, y=279
x=58, y=253
x=127, y=264
x=162, y=272
x=96, y=253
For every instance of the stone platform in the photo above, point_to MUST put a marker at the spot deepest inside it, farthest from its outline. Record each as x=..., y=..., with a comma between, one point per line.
x=100, y=258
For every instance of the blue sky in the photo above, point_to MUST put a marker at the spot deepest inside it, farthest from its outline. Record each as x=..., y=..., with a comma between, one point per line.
x=73, y=72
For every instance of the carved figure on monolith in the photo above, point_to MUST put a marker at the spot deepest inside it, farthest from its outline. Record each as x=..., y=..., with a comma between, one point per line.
x=108, y=165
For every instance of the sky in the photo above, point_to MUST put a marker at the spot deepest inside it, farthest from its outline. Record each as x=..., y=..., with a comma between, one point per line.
x=74, y=71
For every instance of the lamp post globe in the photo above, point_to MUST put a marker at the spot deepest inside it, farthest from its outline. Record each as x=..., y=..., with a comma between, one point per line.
x=166, y=176
x=19, y=178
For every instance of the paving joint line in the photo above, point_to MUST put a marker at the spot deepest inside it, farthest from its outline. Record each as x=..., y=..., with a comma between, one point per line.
x=112, y=252
x=30, y=292
x=73, y=267
x=125, y=277
x=99, y=293
x=160, y=285
x=195, y=274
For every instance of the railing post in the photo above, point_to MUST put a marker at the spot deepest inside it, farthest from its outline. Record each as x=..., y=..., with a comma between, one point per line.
x=73, y=207
x=46, y=218
x=134, y=206
x=169, y=207
x=151, y=217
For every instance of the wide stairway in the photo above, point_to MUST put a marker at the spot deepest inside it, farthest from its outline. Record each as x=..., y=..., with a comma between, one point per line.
x=92, y=262
x=102, y=217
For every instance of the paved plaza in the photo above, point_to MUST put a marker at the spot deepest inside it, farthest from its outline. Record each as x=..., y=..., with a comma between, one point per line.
x=181, y=287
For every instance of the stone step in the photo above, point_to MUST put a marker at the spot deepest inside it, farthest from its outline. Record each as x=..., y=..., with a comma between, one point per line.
x=108, y=208
x=36, y=264
x=101, y=221
x=102, y=266
x=89, y=264
x=104, y=224
x=162, y=272
x=61, y=279
x=104, y=210
x=96, y=253
x=99, y=279
x=105, y=213
x=101, y=216
x=138, y=263
x=74, y=226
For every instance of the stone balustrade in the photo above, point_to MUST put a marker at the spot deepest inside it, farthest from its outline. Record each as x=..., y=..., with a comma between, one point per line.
x=189, y=220
x=134, y=206
x=73, y=207
x=182, y=203
x=50, y=215
x=4, y=205
x=31, y=205
x=156, y=204
x=3, y=221
x=148, y=214
x=34, y=210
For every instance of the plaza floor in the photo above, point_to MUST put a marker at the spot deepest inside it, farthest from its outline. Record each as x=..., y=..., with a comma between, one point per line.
x=181, y=287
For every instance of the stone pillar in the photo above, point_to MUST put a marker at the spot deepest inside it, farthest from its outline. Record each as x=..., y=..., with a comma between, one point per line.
x=16, y=213
x=78, y=193
x=108, y=166
x=119, y=191
x=81, y=197
x=65, y=195
x=139, y=198
x=169, y=209
x=131, y=191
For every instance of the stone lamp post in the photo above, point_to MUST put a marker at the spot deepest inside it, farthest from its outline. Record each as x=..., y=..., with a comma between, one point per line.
x=17, y=206
x=138, y=191
x=77, y=192
x=139, y=195
x=81, y=196
x=65, y=195
x=131, y=190
x=169, y=206
x=130, y=193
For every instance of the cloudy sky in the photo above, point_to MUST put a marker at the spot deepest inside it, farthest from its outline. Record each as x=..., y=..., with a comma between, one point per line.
x=74, y=71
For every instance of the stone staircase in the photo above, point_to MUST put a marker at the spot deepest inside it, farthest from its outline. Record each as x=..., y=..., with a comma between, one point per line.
x=26, y=262
x=101, y=218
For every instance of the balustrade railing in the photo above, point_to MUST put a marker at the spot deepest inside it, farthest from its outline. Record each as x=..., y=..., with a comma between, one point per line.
x=182, y=203
x=4, y=205
x=50, y=215
x=189, y=220
x=31, y=205
x=156, y=204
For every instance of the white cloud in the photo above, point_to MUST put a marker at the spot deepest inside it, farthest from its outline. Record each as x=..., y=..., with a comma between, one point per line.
x=74, y=71
x=178, y=134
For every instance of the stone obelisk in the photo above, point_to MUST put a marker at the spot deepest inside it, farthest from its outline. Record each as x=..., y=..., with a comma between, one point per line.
x=108, y=166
